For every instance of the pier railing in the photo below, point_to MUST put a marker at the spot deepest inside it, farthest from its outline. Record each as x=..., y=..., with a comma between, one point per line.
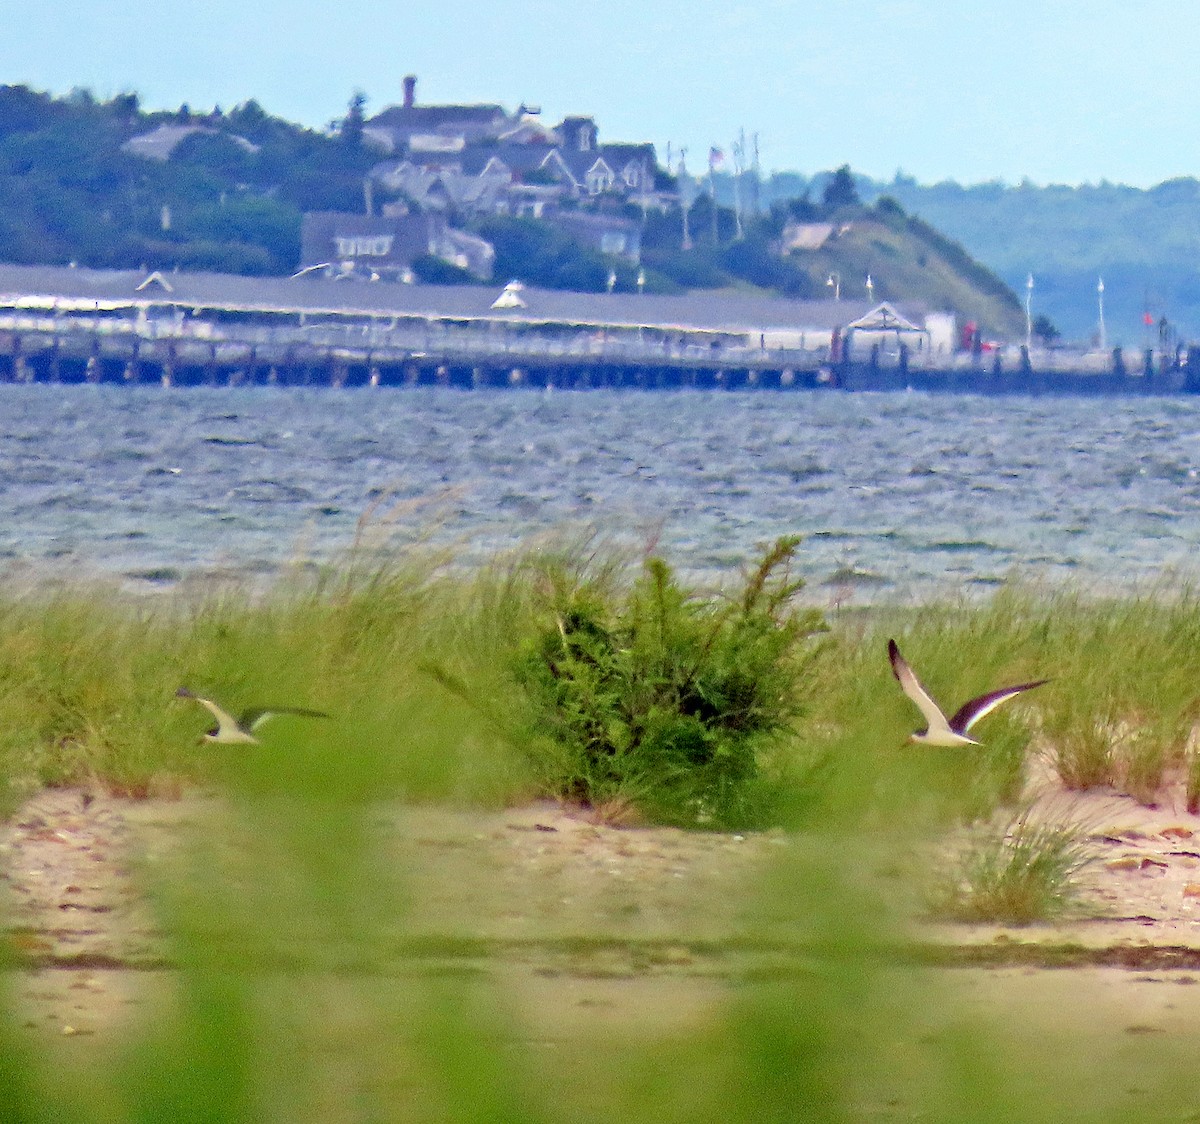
x=38, y=345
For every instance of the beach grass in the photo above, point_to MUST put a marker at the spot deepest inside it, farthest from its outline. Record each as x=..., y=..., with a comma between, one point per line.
x=299, y=996
x=577, y=672
x=1014, y=873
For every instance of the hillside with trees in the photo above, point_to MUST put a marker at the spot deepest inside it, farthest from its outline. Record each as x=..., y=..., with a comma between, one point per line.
x=230, y=194
x=69, y=193
x=1144, y=243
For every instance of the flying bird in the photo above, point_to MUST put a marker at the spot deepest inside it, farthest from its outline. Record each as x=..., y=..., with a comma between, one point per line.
x=954, y=731
x=240, y=730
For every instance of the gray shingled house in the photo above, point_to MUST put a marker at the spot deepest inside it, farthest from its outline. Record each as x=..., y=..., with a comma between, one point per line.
x=386, y=246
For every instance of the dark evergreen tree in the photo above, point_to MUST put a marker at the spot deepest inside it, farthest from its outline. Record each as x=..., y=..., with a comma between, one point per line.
x=352, y=125
x=840, y=191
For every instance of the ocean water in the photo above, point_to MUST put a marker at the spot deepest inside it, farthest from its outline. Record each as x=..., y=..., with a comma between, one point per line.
x=896, y=495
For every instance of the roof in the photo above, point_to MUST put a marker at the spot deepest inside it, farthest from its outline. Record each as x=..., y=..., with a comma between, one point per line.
x=623, y=153
x=159, y=143
x=517, y=158
x=616, y=156
x=429, y=118
x=530, y=131
x=806, y=235
x=884, y=318
x=38, y=286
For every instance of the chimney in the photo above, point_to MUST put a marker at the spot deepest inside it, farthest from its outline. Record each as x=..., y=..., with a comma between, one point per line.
x=410, y=91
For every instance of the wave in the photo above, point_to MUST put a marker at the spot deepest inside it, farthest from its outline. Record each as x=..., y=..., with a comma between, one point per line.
x=852, y=575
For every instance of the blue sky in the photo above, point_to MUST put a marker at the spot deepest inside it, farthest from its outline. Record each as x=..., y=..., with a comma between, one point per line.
x=1053, y=91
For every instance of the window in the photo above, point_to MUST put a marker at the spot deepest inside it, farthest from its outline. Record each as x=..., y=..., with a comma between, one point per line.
x=599, y=178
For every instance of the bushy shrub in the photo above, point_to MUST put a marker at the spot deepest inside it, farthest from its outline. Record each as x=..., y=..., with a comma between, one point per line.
x=664, y=699
x=689, y=269
x=431, y=270
x=753, y=260
x=540, y=254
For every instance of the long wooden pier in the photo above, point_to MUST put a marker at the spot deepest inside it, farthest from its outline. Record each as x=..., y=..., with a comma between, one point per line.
x=345, y=356
x=54, y=350
x=63, y=325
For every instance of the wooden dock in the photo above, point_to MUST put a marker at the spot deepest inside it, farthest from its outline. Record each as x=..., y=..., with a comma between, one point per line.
x=62, y=350
x=62, y=325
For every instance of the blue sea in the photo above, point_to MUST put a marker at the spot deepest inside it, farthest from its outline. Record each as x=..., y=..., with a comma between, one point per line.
x=896, y=495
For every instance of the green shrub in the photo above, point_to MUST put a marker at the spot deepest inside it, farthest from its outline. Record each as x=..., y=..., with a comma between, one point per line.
x=662, y=698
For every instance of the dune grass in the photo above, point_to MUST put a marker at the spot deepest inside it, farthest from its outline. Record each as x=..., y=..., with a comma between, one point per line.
x=588, y=675
x=296, y=999
x=1015, y=873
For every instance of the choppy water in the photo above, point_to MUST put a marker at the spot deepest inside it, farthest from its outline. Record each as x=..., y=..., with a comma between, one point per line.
x=896, y=494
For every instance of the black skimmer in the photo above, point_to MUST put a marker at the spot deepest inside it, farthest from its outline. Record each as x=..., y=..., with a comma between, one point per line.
x=953, y=731
x=240, y=730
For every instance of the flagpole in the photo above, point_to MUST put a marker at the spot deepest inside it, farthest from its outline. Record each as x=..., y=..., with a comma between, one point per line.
x=715, y=156
x=1029, y=312
x=1100, y=297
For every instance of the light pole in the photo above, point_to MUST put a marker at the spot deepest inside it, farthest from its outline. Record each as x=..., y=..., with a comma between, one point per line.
x=834, y=282
x=687, y=196
x=1100, y=298
x=1029, y=312
x=870, y=288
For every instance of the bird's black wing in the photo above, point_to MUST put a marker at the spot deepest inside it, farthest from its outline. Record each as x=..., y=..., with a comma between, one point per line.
x=974, y=709
x=254, y=717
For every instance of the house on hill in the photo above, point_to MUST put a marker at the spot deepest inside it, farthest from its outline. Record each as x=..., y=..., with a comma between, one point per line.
x=446, y=154
x=451, y=163
x=336, y=244
x=395, y=128
x=609, y=234
x=804, y=237
x=159, y=143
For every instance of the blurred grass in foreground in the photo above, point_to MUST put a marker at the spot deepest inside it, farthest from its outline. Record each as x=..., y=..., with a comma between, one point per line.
x=302, y=991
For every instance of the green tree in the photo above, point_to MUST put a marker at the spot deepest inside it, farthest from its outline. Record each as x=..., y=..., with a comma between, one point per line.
x=352, y=124
x=221, y=154
x=539, y=254
x=437, y=271
x=752, y=259
x=841, y=191
x=1044, y=329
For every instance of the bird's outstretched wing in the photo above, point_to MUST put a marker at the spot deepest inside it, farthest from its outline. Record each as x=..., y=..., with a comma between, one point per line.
x=226, y=723
x=254, y=717
x=915, y=690
x=974, y=709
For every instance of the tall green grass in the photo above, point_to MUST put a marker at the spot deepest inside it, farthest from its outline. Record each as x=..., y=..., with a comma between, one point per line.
x=310, y=987
x=587, y=674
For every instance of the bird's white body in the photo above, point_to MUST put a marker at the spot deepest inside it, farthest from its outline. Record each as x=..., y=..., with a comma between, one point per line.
x=945, y=737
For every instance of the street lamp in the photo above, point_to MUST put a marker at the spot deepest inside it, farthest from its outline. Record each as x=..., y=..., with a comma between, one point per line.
x=1100, y=298
x=870, y=288
x=1029, y=312
x=834, y=282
